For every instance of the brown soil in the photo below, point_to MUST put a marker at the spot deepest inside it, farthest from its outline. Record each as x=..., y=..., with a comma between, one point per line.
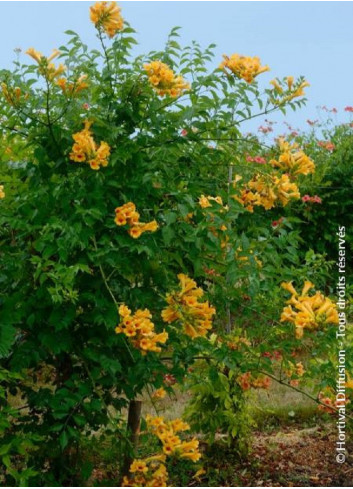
x=296, y=457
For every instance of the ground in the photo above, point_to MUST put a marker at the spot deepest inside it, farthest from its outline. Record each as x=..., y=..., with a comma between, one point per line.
x=291, y=457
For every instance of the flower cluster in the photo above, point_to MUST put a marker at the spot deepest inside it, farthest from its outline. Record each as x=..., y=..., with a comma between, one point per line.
x=292, y=160
x=184, y=306
x=284, y=189
x=163, y=79
x=205, y=202
x=328, y=145
x=327, y=399
x=106, y=16
x=12, y=95
x=237, y=342
x=326, y=109
x=287, y=93
x=246, y=381
x=266, y=191
x=127, y=214
x=171, y=442
x=72, y=88
x=159, y=393
x=265, y=129
x=2, y=193
x=315, y=200
x=327, y=403
x=255, y=159
x=139, y=328
x=86, y=150
x=297, y=370
x=275, y=355
x=46, y=67
x=308, y=312
x=244, y=67
x=151, y=471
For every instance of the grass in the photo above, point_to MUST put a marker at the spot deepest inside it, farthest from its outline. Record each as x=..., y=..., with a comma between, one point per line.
x=270, y=408
x=282, y=406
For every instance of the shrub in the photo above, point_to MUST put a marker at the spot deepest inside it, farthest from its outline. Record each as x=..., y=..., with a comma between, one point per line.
x=124, y=177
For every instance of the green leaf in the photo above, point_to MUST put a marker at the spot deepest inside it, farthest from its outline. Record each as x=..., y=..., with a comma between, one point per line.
x=7, y=338
x=63, y=440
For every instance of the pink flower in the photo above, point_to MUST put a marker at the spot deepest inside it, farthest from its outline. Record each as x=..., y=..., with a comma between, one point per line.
x=277, y=355
x=259, y=159
x=255, y=159
x=294, y=134
x=184, y=132
x=316, y=199
x=86, y=106
x=265, y=129
x=349, y=108
x=311, y=123
x=326, y=145
x=333, y=110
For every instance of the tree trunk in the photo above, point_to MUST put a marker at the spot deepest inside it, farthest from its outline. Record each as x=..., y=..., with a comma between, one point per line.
x=133, y=428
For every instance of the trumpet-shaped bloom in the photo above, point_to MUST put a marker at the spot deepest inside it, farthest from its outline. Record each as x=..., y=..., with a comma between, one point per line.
x=127, y=214
x=72, y=88
x=85, y=149
x=308, y=312
x=151, y=471
x=288, y=90
x=292, y=160
x=163, y=79
x=267, y=191
x=139, y=328
x=184, y=306
x=107, y=16
x=46, y=67
x=244, y=67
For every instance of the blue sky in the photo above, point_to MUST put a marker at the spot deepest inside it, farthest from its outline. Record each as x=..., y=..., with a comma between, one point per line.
x=294, y=38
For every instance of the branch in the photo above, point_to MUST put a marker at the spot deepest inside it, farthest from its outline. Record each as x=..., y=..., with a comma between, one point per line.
x=105, y=281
